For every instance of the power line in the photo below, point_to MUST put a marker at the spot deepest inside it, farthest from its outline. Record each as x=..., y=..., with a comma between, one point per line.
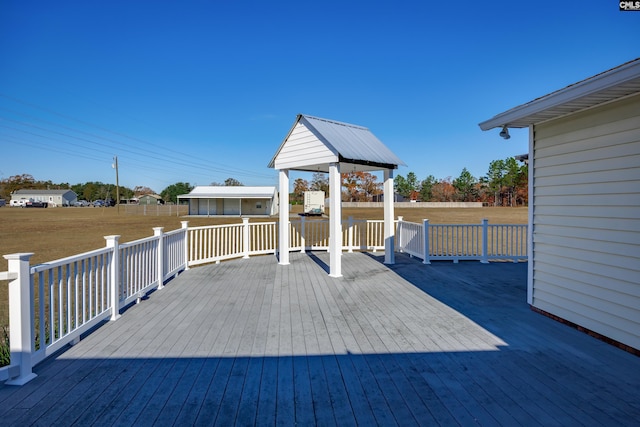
x=191, y=161
x=144, y=155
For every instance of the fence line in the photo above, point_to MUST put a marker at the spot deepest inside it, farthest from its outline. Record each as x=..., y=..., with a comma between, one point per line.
x=155, y=210
x=53, y=303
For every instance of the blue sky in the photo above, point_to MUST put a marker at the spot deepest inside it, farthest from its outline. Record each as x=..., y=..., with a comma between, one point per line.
x=200, y=91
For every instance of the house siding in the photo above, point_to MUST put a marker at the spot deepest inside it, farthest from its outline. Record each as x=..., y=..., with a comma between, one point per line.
x=302, y=148
x=586, y=219
x=53, y=197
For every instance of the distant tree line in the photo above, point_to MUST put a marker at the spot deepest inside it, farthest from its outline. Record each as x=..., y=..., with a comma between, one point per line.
x=506, y=184
x=95, y=190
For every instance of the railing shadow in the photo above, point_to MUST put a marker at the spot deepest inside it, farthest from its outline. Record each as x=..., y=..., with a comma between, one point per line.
x=473, y=290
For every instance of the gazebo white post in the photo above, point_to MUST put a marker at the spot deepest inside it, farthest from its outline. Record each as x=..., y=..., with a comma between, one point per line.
x=283, y=235
x=335, y=222
x=389, y=249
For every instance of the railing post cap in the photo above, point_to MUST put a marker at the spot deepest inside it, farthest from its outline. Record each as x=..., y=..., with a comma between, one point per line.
x=112, y=238
x=22, y=256
x=158, y=230
x=245, y=219
x=185, y=224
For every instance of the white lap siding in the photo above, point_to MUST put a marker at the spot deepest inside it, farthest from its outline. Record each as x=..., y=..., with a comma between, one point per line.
x=586, y=234
x=303, y=147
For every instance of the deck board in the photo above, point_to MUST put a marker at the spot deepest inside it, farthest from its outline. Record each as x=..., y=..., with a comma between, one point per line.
x=250, y=342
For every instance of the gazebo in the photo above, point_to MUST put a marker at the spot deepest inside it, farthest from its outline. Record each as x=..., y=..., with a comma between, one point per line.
x=321, y=145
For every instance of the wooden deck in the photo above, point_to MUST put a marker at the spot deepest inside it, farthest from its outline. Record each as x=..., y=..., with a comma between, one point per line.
x=248, y=342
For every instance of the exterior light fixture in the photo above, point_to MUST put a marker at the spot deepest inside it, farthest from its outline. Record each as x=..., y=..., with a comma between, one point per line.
x=505, y=132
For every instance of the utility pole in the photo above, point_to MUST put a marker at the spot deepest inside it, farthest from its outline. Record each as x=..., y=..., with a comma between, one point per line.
x=115, y=166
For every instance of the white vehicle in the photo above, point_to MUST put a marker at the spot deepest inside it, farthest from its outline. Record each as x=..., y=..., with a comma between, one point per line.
x=313, y=203
x=19, y=203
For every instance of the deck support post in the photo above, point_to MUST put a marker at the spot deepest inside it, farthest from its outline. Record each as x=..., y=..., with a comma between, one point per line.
x=159, y=233
x=21, y=331
x=114, y=276
x=389, y=247
x=335, y=222
x=283, y=226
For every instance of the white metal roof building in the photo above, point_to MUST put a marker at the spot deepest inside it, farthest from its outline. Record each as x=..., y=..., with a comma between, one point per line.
x=321, y=145
x=232, y=200
x=584, y=202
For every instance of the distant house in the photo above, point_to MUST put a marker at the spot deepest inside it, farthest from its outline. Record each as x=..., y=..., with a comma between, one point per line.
x=150, y=199
x=52, y=197
x=237, y=201
x=584, y=209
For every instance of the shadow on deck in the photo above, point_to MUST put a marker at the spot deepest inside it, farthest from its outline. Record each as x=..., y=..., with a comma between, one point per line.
x=248, y=342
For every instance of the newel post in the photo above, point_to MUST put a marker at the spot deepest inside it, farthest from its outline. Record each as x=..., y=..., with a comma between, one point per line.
x=350, y=235
x=185, y=227
x=303, y=243
x=425, y=241
x=159, y=233
x=114, y=276
x=399, y=234
x=245, y=237
x=485, y=241
x=20, y=323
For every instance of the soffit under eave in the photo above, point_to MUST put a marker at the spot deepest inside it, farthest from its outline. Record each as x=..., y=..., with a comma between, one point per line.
x=559, y=111
x=346, y=166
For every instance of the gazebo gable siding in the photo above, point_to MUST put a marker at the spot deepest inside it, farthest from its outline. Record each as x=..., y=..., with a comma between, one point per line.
x=302, y=147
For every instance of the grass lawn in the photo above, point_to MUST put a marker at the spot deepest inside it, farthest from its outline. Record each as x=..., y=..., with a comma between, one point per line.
x=55, y=233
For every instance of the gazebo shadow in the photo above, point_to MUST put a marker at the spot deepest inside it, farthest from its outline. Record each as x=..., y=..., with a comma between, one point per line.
x=323, y=265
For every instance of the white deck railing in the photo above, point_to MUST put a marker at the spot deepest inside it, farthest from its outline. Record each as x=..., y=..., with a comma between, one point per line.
x=482, y=242
x=53, y=304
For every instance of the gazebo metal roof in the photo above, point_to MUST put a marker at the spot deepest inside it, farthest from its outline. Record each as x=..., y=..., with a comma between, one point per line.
x=348, y=144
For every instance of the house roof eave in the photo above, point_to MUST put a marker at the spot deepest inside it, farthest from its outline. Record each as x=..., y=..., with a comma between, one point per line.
x=607, y=86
